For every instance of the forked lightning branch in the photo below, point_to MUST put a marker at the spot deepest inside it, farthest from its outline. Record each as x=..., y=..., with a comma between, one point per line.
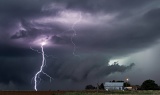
x=37, y=75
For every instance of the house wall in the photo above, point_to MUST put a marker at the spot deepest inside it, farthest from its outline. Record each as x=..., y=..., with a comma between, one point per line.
x=113, y=85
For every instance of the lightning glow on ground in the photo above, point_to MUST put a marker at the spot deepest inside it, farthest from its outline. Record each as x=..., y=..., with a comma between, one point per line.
x=37, y=75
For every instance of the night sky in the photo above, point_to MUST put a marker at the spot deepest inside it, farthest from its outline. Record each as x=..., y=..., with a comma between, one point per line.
x=84, y=39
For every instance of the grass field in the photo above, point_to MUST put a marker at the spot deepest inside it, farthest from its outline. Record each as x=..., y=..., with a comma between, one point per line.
x=149, y=92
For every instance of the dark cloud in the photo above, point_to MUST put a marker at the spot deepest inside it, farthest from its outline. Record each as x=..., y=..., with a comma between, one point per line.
x=108, y=6
x=20, y=34
x=14, y=11
x=152, y=16
x=19, y=8
x=90, y=67
x=61, y=40
x=14, y=51
x=21, y=71
x=15, y=70
x=108, y=29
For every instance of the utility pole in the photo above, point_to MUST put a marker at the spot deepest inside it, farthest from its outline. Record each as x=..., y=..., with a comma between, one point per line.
x=127, y=82
x=97, y=87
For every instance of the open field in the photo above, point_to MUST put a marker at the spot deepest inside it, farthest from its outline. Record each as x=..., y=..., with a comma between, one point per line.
x=150, y=92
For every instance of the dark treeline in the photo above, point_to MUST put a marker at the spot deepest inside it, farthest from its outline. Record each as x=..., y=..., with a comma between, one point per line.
x=146, y=85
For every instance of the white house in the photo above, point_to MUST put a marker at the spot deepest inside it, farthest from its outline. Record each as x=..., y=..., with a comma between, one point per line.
x=113, y=85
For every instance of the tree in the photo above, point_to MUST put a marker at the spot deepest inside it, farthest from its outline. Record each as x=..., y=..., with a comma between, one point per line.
x=89, y=87
x=101, y=86
x=126, y=84
x=149, y=85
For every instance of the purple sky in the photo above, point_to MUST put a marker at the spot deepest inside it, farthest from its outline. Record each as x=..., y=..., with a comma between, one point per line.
x=106, y=31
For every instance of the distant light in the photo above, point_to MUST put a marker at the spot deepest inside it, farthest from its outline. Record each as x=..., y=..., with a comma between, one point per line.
x=127, y=79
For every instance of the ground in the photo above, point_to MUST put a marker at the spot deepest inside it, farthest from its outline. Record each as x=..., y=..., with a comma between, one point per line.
x=149, y=92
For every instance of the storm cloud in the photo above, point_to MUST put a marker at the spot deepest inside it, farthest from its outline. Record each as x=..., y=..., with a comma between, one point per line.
x=83, y=37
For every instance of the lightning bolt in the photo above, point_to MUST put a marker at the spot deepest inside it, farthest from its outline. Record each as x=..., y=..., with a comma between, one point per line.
x=37, y=75
x=41, y=53
x=75, y=33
